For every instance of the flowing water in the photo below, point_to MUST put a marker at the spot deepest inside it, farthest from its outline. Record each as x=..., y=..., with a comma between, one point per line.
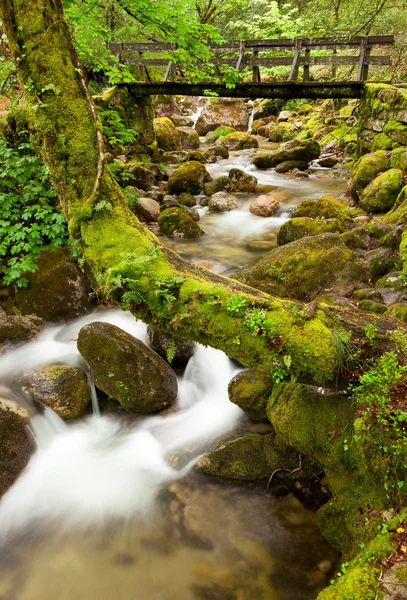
x=110, y=507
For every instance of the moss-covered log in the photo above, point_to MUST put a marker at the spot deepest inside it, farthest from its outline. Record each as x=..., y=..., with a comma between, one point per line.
x=128, y=261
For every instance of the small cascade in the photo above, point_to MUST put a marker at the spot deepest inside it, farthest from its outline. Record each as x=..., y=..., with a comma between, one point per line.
x=196, y=115
x=93, y=395
x=251, y=119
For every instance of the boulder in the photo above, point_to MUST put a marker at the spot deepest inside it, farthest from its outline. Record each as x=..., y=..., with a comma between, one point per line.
x=300, y=227
x=187, y=199
x=213, y=136
x=305, y=268
x=303, y=150
x=380, y=261
x=323, y=208
x=398, y=159
x=64, y=389
x=239, y=141
x=218, y=111
x=16, y=442
x=220, y=184
x=14, y=328
x=222, y=202
x=138, y=175
x=182, y=121
x=217, y=151
x=146, y=209
x=284, y=115
x=175, y=222
x=126, y=369
x=264, y=206
x=166, y=134
x=268, y=107
x=243, y=182
x=189, y=138
x=57, y=291
x=251, y=389
x=365, y=170
x=168, y=346
x=201, y=157
x=289, y=165
x=188, y=177
x=381, y=193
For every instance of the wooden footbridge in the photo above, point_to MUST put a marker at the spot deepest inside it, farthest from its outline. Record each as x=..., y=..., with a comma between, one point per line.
x=294, y=54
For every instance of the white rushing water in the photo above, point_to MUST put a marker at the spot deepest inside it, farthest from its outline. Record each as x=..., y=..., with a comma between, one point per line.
x=87, y=473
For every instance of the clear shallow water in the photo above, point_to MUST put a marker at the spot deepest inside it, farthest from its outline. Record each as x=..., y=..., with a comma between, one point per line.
x=235, y=238
x=104, y=510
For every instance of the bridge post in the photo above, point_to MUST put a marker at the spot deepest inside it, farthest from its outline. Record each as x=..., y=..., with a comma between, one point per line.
x=306, y=75
x=363, y=67
x=256, y=69
x=240, y=60
x=294, y=67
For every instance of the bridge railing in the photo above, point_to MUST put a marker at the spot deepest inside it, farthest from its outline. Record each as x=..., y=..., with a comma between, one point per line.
x=243, y=54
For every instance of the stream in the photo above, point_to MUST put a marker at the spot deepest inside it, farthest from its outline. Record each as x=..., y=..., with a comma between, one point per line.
x=110, y=507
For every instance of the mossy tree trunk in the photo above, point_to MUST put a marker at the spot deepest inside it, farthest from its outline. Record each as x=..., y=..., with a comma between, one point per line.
x=129, y=263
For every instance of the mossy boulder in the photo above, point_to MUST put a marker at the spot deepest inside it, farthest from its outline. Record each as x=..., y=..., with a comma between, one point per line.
x=178, y=349
x=305, y=268
x=189, y=138
x=140, y=175
x=198, y=156
x=268, y=107
x=371, y=306
x=251, y=389
x=166, y=134
x=243, y=182
x=214, y=136
x=187, y=199
x=398, y=311
x=289, y=165
x=365, y=170
x=220, y=112
x=398, y=159
x=64, y=389
x=222, y=202
x=220, y=184
x=280, y=132
x=396, y=131
x=126, y=369
x=239, y=141
x=16, y=442
x=300, y=227
x=14, y=328
x=302, y=150
x=188, y=177
x=58, y=290
x=381, y=194
x=323, y=208
x=218, y=151
x=381, y=260
x=176, y=222
x=243, y=457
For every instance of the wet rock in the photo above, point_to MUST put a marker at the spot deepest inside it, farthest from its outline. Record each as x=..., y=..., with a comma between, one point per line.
x=218, y=151
x=381, y=193
x=294, y=270
x=301, y=175
x=188, y=177
x=380, y=261
x=220, y=184
x=243, y=182
x=239, y=141
x=365, y=170
x=179, y=349
x=182, y=121
x=166, y=134
x=222, y=202
x=323, y=208
x=126, y=369
x=328, y=160
x=187, y=199
x=250, y=389
x=358, y=237
x=170, y=158
x=268, y=107
x=303, y=150
x=189, y=138
x=290, y=165
x=264, y=206
x=16, y=442
x=64, y=389
x=213, y=136
x=57, y=291
x=392, y=288
x=138, y=176
x=300, y=227
x=198, y=156
x=175, y=222
x=146, y=209
x=14, y=328
x=220, y=111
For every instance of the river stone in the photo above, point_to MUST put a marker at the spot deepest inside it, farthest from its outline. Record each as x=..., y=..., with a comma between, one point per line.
x=166, y=134
x=305, y=268
x=300, y=227
x=147, y=209
x=219, y=112
x=188, y=177
x=14, y=328
x=187, y=199
x=16, y=442
x=138, y=176
x=57, y=291
x=126, y=369
x=220, y=184
x=189, y=138
x=218, y=151
x=182, y=121
x=264, y=206
x=289, y=165
x=365, y=170
x=239, y=141
x=64, y=389
x=303, y=150
x=176, y=222
x=163, y=342
x=222, y=202
x=381, y=193
x=243, y=182
x=251, y=389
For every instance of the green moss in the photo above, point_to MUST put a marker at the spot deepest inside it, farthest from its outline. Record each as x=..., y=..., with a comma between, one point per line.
x=213, y=136
x=300, y=227
x=188, y=177
x=366, y=169
x=398, y=311
x=239, y=141
x=398, y=159
x=166, y=134
x=381, y=194
x=383, y=142
x=323, y=208
x=360, y=583
x=250, y=390
x=341, y=135
x=175, y=222
x=373, y=307
x=396, y=131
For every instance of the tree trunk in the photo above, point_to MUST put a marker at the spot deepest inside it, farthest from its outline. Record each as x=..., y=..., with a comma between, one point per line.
x=128, y=261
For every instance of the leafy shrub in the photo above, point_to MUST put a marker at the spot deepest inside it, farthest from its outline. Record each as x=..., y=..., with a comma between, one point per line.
x=30, y=217
x=115, y=130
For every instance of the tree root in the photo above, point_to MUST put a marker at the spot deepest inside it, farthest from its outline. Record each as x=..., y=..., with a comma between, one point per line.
x=290, y=472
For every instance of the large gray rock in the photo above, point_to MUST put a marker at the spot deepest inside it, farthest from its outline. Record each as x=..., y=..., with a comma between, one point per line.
x=147, y=209
x=222, y=202
x=221, y=112
x=126, y=369
x=189, y=138
x=298, y=150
